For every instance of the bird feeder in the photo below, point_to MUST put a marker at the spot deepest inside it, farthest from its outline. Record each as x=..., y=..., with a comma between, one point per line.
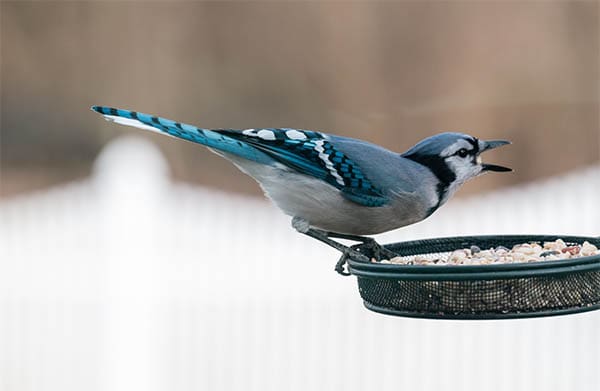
x=493, y=291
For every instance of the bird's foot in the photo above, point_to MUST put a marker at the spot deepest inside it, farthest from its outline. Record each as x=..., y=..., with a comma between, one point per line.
x=379, y=252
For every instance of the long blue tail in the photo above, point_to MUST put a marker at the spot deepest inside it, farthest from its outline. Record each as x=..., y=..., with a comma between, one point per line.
x=207, y=137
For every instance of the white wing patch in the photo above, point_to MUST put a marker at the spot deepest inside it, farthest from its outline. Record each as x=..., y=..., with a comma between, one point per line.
x=133, y=122
x=264, y=134
x=293, y=134
x=323, y=156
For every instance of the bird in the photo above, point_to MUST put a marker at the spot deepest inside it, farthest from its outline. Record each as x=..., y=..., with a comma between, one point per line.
x=337, y=187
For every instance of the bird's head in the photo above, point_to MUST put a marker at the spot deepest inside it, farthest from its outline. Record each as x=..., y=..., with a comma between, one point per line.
x=454, y=157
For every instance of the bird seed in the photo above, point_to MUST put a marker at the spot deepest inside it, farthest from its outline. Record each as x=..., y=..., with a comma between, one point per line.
x=520, y=253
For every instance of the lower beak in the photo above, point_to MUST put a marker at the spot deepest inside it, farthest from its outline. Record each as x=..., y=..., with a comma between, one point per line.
x=487, y=145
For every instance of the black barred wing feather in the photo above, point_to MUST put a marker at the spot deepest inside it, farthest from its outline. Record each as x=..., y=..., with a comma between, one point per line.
x=312, y=154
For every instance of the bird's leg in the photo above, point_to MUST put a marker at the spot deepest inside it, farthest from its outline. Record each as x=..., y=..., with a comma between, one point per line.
x=303, y=227
x=379, y=251
x=322, y=236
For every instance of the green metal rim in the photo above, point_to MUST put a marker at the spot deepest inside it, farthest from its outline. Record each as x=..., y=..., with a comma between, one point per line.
x=488, y=275
x=481, y=316
x=477, y=272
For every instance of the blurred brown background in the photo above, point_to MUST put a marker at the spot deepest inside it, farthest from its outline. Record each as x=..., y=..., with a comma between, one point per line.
x=390, y=73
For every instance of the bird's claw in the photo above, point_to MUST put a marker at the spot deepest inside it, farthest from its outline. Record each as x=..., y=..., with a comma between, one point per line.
x=378, y=251
x=340, y=265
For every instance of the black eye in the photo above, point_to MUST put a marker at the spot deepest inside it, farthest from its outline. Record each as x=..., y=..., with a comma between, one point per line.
x=462, y=152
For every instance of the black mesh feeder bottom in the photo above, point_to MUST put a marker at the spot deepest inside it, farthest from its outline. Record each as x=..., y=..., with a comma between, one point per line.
x=499, y=291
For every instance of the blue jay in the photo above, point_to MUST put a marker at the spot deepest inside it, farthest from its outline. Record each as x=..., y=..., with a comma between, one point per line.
x=333, y=186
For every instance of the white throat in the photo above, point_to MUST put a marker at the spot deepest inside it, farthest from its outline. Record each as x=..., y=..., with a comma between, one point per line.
x=464, y=170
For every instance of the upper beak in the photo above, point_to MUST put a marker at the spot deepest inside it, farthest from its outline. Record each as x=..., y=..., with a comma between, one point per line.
x=487, y=145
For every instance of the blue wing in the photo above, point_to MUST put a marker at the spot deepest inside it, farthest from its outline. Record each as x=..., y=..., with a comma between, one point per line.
x=313, y=154
x=308, y=152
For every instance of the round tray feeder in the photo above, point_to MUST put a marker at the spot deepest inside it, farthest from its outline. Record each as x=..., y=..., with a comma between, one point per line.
x=499, y=291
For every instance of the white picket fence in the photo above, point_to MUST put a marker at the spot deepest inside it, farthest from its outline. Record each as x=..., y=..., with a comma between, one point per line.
x=128, y=281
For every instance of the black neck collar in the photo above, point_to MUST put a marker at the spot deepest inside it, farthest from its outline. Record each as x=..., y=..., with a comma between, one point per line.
x=437, y=165
x=440, y=169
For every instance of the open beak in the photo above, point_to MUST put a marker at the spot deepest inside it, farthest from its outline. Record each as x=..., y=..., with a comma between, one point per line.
x=487, y=145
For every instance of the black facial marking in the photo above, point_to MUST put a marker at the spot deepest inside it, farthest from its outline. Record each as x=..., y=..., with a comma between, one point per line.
x=440, y=169
x=475, y=151
x=437, y=165
x=475, y=143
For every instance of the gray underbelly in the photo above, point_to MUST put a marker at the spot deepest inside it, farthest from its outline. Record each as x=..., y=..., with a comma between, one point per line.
x=323, y=206
x=337, y=214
